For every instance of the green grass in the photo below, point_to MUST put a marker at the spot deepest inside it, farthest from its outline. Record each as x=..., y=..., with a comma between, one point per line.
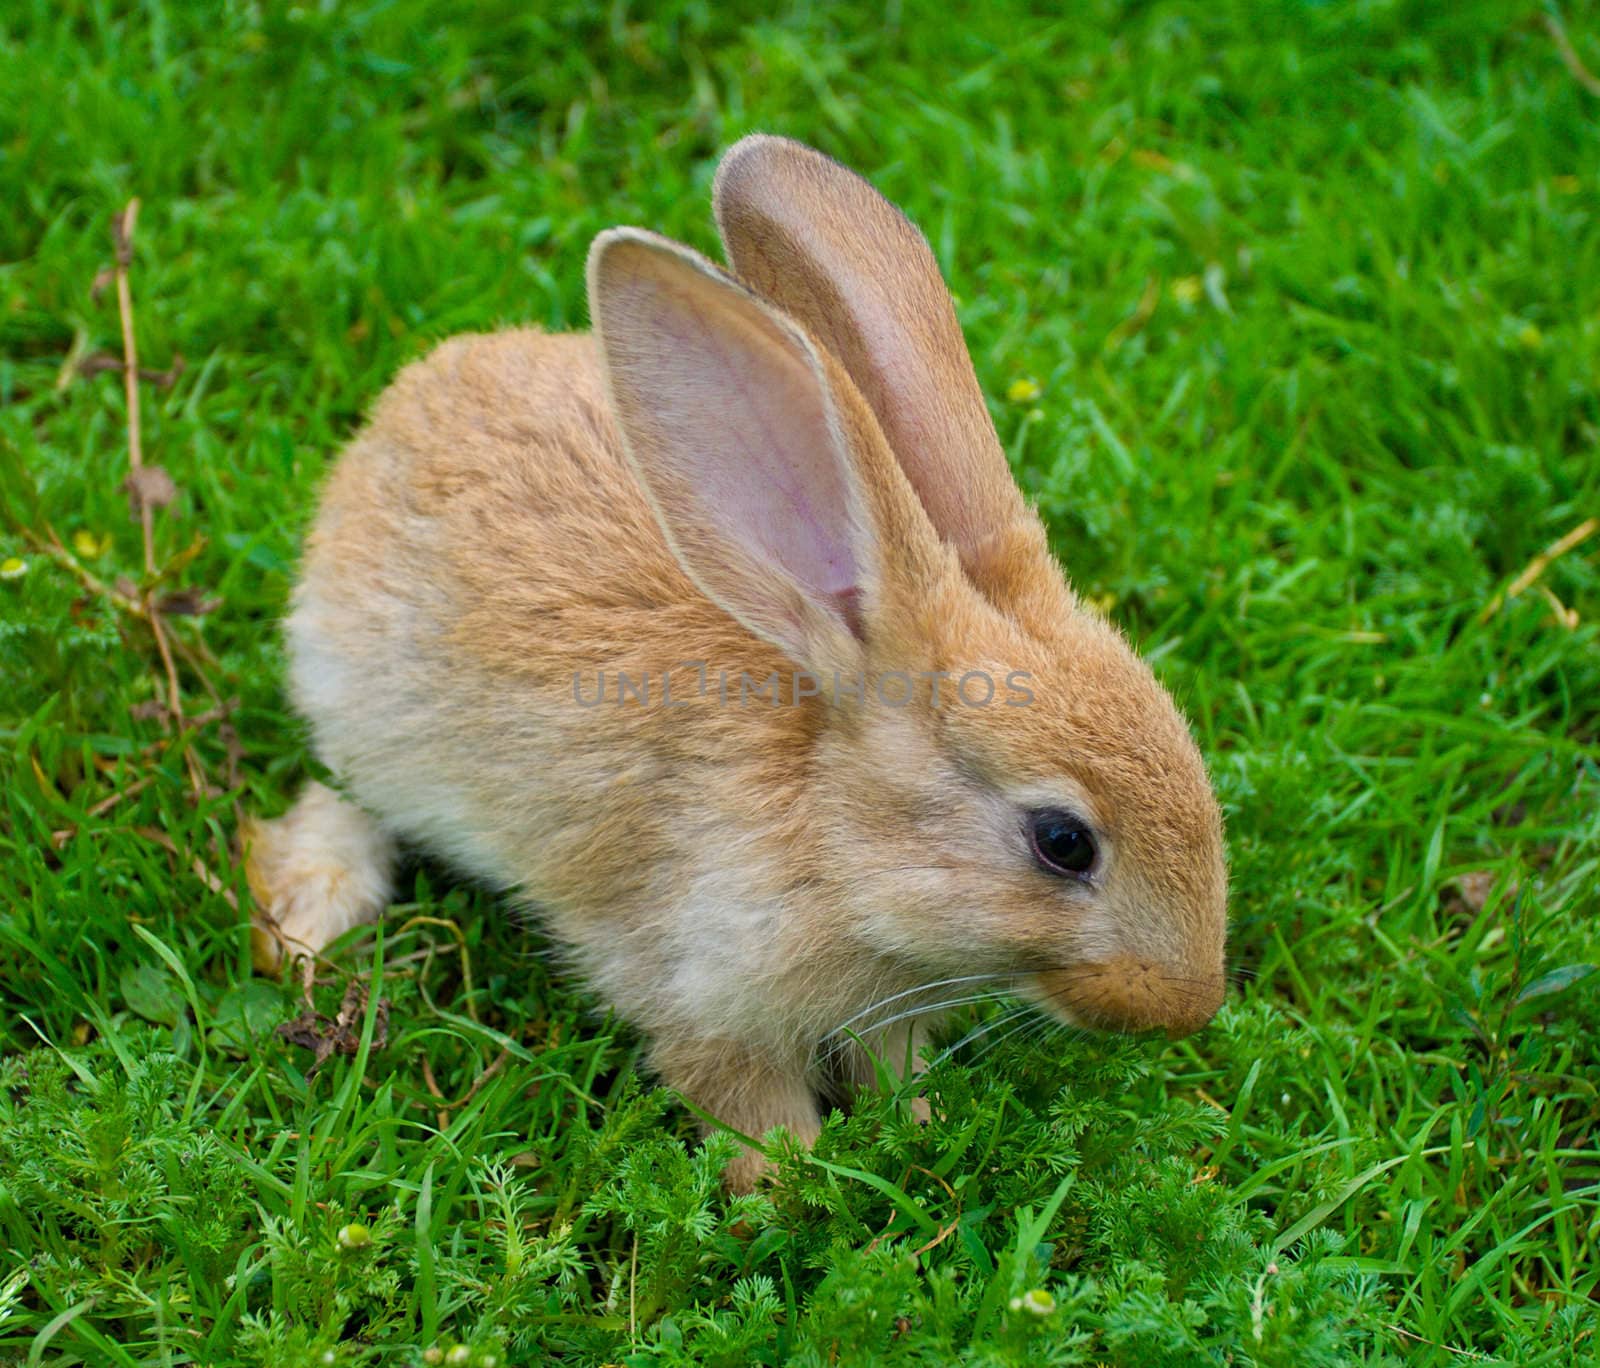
x=1311, y=295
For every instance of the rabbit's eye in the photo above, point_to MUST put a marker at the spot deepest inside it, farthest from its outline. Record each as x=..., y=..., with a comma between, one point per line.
x=1061, y=843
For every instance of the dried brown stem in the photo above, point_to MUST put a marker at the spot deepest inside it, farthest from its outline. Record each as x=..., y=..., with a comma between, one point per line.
x=461, y=943
x=59, y=838
x=201, y=870
x=494, y=1067
x=443, y=1115
x=1539, y=564
x=194, y=722
x=1448, y=1348
x=1134, y=322
x=122, y=232
x=1569, y=55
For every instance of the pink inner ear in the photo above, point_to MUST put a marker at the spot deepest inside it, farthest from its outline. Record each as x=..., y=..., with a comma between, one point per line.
x=745, y=435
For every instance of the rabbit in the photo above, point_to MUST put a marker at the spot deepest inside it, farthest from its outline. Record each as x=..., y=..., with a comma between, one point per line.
x=774, y=496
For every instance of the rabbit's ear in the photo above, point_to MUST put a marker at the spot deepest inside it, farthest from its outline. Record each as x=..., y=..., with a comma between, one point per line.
x=826, y=248
x=731, y=424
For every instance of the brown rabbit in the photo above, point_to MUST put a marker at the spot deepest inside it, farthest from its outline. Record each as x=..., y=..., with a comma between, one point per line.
x=725, y=638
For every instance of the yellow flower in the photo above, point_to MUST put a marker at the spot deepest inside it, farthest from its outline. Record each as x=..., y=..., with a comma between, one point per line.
x=88, y=545
x=1529, y=337
x=13, y=567
x=1186, y=289
x=1023, y=390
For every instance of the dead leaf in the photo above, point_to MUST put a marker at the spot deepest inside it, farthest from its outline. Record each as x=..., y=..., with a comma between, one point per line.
x=1475, y=886
x=149, y=487
x=97, y=362
x=182, y=559
x=341, y=1035
x=149, y=710
x=189, y=602
x=233, y=746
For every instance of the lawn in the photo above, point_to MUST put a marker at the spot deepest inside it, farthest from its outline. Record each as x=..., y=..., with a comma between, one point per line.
x=1289, y=319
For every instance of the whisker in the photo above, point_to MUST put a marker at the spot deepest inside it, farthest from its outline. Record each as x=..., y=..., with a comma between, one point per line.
x=1071, y=994
x=1053, y=1026
x=844, y=1036
x=925, y=1009
x=1032, y=1022
x=912, y=992
x=1009, y=1015
x=1022, y=1019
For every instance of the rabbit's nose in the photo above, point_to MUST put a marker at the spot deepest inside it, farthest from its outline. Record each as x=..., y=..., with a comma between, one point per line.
x=1128, y=993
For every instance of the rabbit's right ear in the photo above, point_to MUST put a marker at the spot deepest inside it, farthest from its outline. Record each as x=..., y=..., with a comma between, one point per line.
x=730, y=420
x=830, y=251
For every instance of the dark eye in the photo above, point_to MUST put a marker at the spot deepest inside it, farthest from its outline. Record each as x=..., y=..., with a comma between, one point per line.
x=1061, y=842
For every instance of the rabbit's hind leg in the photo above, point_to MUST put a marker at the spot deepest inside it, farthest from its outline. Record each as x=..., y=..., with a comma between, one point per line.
x=320, y=869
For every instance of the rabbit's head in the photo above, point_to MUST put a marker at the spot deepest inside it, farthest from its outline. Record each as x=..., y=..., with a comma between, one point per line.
x=994, y=782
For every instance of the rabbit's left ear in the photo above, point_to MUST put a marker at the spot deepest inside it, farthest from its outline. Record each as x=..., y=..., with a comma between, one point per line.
x=831, y=252
x=772, y=484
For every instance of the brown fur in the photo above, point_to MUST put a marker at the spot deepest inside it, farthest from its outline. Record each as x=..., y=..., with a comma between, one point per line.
x=739, y=881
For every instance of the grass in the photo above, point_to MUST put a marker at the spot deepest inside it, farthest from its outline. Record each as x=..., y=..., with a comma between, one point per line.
x=1290, y=319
